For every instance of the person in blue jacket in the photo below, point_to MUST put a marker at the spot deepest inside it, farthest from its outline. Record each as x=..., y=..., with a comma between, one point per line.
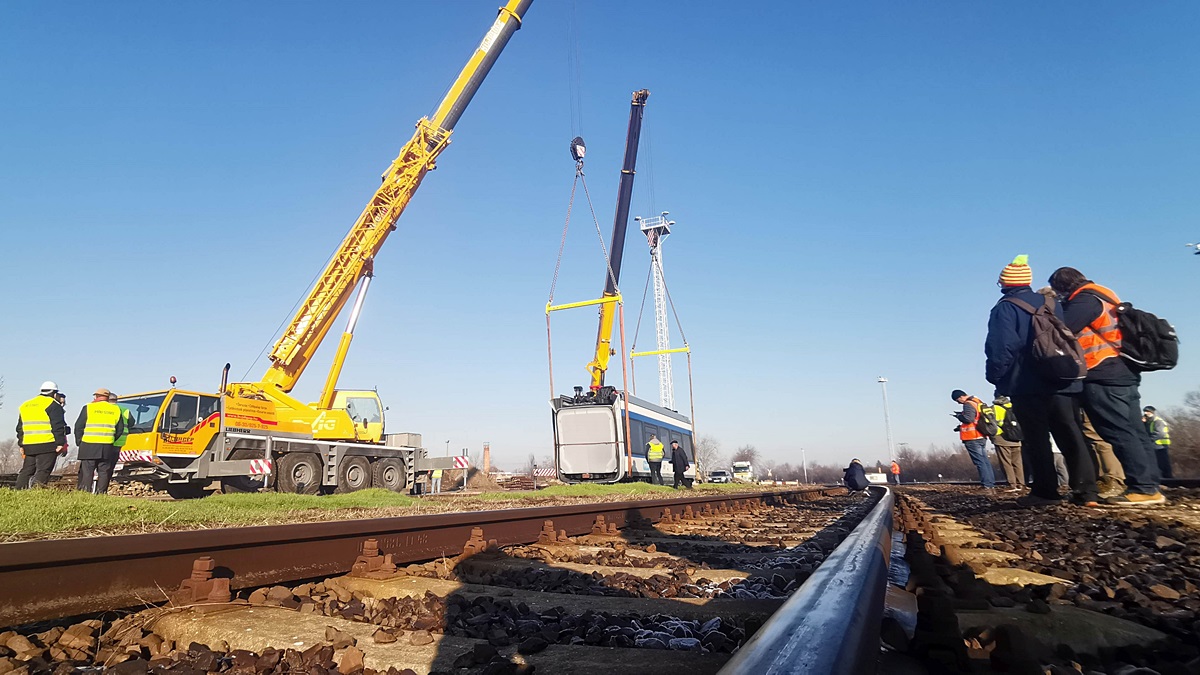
x=855, y=476
x=1045, y=407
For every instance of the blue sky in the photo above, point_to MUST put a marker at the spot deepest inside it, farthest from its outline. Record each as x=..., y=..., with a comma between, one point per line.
x=848, y=181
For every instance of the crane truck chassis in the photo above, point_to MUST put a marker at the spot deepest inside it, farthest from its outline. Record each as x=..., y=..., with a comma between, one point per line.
x=181, y=440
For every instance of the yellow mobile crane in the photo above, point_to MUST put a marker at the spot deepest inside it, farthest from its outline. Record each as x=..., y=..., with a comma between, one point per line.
x=249, y=431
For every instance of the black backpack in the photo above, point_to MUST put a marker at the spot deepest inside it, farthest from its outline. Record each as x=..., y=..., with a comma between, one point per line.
x=1056, y=352
x=985, y=422
x=1147, y=342
x=1010, y=428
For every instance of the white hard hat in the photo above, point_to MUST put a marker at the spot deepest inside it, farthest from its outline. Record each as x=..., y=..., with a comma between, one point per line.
x=49, y=386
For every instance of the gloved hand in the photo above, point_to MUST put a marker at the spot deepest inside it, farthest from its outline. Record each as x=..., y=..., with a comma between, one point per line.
x=958, y=428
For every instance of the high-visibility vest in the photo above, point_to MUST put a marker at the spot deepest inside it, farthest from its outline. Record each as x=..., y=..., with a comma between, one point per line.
x=35, y=421
x=968, y=432
x=895, y=468
x=101, y=427
x=654, y=453
x=437, y=474
x=127, y=416
x=1154, y=426
x=1101, y=339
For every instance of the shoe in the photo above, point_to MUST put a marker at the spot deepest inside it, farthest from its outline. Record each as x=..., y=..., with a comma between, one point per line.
x=1080, y=500
x=1035, y=500
x=1136, y=499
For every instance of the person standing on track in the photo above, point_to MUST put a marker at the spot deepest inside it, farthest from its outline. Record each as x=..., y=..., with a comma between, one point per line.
x=679, y=462
x=41, y=435
x=1043, y=406
x=1160, y=433
x=435, y=482
x=895, y=473
x=97, y=429
x=654, y=457
x=972, y=440
x=1111, y=477
x=1110, y=390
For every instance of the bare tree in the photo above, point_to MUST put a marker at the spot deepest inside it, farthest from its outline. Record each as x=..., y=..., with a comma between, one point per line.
x=708, y=454
x=10, y=456
x=747, y=453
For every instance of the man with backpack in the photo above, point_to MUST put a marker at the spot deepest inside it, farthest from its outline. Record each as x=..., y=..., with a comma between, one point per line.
x=1041, y=372
x=972, y=438
x=1008, y=443
x=1110, y=391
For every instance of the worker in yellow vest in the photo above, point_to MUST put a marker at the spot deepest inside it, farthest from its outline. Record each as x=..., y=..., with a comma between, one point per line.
x=654, y=457
x=96, y=432
x=41, y=435
x=1160, y=433
x=435, y=482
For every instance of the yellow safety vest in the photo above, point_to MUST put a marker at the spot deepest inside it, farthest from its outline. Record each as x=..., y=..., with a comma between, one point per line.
x=101, y=427
x=437, y=473
x=655, y=453
x=35, y=421
x=127, y=416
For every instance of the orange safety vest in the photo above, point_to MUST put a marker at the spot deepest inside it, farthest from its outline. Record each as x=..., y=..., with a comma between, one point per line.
x=895, y=468
x=968, y=432
x=1101, y=339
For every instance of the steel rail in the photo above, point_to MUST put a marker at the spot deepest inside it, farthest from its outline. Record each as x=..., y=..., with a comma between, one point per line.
x=831, y=624
x=51, y=579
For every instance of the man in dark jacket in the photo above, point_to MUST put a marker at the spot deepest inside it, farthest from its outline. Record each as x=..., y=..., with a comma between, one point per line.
x=99, y=425
x=41, y=435
x=1110, y=392
x=1045, y=407
x=679, y=462
x=855, y=476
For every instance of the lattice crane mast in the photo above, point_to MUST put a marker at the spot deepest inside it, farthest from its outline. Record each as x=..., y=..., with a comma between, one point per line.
x=656, y=229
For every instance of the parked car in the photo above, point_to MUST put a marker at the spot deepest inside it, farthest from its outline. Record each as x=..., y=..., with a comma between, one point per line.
x=718, y=476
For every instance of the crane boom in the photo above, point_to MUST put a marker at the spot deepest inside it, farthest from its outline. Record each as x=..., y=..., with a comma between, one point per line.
x=351, y=262
x=612, y=276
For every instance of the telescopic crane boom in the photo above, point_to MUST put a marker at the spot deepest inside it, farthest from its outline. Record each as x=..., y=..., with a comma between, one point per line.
x=351, y=264
x=612, y=276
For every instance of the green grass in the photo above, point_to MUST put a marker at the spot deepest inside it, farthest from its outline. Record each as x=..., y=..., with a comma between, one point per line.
x=45, y=511
x=618, y=489
x=34, y=513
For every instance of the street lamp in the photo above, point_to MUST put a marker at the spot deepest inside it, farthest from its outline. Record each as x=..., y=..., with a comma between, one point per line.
x=887, y=418
x=447, y=448
x=804, y=461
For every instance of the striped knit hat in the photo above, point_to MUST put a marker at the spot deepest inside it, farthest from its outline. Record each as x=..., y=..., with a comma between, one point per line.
x=1017, y=272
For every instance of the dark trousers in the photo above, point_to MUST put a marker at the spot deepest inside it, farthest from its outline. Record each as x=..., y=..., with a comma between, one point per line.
x=99, y=471
x=1163, y=453
x=1116, y=412
x=679, y=479
x=1043, y=415
x=656, y=473
x=37, y=467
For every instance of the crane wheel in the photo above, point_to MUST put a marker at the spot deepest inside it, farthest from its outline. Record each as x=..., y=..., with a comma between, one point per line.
x=389, y=473
x=299, y=472
x=353, y=475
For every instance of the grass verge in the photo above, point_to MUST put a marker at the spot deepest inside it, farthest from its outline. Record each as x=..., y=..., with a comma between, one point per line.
x=27, y=512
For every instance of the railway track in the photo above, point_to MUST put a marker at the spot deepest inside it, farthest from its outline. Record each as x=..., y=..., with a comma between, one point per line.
x=544, y=587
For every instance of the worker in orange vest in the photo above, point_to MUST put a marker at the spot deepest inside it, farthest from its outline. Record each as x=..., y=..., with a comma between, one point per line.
x=895, y=473
x=972, y=440
x=1110, y=390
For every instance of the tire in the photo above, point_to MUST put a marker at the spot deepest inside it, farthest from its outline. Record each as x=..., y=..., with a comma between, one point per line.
x=299, y=472
x=231, y=484
x=185, y=490
x=354, y=474
x=389, y=473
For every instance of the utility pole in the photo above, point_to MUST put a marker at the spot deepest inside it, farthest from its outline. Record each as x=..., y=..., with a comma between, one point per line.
x=804, y=461
x=656, y=229
x=887, y=418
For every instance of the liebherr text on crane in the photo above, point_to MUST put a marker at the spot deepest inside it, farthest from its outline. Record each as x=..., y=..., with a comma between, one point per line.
x=251, y=434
